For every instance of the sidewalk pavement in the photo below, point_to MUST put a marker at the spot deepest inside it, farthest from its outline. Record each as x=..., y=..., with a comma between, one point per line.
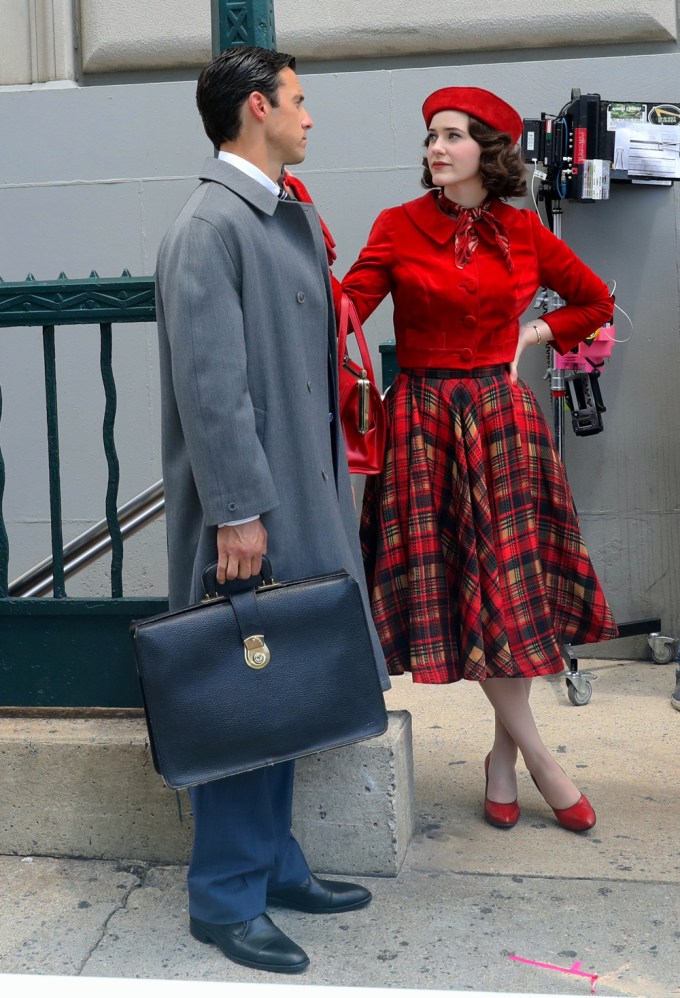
x=471, y=903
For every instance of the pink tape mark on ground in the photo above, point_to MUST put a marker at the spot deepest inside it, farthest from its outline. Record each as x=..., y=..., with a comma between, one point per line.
x=574, y=969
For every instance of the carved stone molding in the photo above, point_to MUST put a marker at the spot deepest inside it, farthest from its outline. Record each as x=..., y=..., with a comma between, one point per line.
x=130, y=35
x=390, y=27
x=36, y=41
x=156, y=34
x=37, y=37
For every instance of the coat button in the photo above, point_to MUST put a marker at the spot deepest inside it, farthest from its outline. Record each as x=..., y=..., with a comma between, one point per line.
x=309, y=386
x=300, y=296
x=469, y=321
x=324, y=474
x=468, y=285
x=466, y=353
x=231, y=506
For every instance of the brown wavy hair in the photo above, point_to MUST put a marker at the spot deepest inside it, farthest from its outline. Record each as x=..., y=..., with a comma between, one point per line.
x=501, y=165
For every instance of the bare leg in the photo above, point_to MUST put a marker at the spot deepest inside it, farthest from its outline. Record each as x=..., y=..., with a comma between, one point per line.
x=502, y=786
x=503, y=759
x=510, y=701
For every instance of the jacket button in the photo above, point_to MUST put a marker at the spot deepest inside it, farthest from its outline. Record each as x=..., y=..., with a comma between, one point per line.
x=231, y=506
x=309, y=386
x=466, y=353
x=469, y=285
x=469, y=321
x=300, y=296
x=324, y=474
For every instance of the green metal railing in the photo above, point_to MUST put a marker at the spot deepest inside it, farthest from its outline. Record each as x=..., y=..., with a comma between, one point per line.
x=42, y=660
x=67, y=302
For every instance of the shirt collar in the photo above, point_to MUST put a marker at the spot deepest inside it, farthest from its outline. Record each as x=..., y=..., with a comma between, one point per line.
x=245, y=166
x=439, y=227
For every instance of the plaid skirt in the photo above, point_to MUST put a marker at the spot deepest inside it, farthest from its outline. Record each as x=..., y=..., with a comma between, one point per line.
x=474, y=559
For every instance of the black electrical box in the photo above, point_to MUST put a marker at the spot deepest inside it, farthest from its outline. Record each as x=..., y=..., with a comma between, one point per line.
x=593, y=141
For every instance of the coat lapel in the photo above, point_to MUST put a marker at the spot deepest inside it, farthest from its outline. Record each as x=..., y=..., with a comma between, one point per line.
x=220, y=172
x=440, y=228
x=427, y=217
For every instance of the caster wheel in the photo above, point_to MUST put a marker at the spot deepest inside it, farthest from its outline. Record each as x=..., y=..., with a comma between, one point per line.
x=579, y=698
x=663, y=655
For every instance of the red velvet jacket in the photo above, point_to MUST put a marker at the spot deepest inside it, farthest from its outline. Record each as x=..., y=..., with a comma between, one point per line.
x=446, y=317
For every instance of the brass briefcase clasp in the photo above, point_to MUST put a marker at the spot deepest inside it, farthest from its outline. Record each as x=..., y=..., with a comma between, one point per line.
x=256, y=652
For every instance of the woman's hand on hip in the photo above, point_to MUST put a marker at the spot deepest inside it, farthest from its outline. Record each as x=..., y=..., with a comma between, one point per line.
x=531, y=334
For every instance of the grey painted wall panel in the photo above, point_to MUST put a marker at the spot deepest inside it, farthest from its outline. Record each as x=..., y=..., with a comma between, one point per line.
x=95, y=177
x=60, y=227
x=95, y=134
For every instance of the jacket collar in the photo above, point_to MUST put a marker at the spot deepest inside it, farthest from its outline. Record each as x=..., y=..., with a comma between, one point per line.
x=240, y=183
x=433, y=223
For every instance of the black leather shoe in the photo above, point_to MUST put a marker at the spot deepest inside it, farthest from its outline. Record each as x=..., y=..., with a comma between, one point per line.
x=257, y=943
x=321, y=897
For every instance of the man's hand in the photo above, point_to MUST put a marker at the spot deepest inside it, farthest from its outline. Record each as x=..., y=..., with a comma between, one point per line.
x=240, y=550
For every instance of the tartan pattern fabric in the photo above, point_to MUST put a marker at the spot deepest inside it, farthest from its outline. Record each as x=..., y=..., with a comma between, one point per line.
x=474, y=558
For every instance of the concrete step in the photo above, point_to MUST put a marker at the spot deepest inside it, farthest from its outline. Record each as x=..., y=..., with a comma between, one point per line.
x=86, y=787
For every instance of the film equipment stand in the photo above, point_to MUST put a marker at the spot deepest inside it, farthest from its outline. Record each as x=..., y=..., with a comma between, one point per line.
x=585, y=401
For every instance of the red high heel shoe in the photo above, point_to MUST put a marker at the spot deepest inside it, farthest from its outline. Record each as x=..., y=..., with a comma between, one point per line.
x=577, y=818
x=498, y=815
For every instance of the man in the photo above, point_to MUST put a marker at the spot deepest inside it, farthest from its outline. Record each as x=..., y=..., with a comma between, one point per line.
x=253, y=459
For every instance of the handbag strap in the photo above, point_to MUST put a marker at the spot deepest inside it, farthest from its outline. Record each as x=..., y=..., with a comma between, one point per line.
x=349, y=320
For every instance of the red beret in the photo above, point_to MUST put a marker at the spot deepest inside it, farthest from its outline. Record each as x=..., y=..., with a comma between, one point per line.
x=478, y=103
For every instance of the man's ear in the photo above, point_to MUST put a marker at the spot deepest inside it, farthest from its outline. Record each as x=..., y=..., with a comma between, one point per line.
x=258, y=105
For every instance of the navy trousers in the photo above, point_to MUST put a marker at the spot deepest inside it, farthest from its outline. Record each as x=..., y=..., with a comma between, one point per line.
x=243, y=844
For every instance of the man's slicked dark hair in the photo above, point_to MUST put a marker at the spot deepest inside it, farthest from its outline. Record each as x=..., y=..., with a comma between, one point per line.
x=226, y=83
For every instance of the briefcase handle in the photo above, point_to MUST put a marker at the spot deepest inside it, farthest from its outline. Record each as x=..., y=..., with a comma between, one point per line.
x=212, y=588
x=241, y=595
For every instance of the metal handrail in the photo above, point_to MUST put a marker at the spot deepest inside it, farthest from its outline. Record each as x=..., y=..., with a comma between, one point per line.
x=93, y=543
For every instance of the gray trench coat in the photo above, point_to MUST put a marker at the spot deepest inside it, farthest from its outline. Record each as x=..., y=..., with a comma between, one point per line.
x=247, y=347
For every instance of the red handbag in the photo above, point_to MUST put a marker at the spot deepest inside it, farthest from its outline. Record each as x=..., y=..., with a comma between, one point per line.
x=361, y=407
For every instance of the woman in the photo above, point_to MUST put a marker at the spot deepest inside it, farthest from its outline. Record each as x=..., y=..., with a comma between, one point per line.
x=474, y=557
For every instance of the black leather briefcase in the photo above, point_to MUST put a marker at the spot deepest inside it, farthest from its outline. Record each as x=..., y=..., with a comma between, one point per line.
x=264, y=675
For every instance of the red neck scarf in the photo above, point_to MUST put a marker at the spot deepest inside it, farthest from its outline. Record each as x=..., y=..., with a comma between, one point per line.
x=466, y=239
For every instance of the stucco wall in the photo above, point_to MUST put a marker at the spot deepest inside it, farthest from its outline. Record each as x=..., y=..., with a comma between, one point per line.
x=95, y=175
x=43, y=40
x=164, y=33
